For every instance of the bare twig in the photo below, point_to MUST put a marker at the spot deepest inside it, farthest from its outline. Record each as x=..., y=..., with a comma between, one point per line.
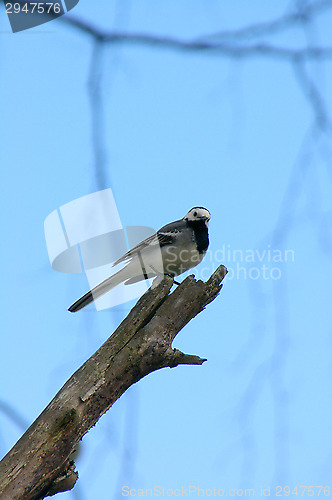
x=287, y=21
x=97, y=115
x=200, y=44
x=314, y=96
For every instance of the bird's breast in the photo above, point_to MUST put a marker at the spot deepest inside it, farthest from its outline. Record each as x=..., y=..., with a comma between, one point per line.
x=179, y=258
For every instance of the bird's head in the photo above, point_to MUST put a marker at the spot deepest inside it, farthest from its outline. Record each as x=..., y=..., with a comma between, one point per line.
x=197, y=214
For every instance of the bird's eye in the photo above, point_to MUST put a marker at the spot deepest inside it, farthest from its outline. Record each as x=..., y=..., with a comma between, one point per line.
x=195, y=213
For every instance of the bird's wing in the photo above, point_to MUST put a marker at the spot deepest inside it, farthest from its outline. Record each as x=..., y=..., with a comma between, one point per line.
x=165, y=236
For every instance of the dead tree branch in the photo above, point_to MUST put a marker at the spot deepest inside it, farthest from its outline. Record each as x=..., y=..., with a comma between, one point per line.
x=39, y=464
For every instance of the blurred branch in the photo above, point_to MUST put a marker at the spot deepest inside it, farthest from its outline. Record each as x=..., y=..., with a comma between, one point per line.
x=314, y=96
x=97, y=114
x=39, y=464
x=200, y=44
x=242, y=43
x=225, y=42
x=303, y=14
x=13, y=415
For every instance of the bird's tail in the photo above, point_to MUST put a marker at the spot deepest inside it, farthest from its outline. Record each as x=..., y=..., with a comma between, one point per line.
x=100, y=289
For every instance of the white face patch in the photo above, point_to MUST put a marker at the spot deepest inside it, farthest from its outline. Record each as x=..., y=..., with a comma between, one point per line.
x=198, y=213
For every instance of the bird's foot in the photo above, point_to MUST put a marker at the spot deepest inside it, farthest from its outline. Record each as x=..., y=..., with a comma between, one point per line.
x=171, y=276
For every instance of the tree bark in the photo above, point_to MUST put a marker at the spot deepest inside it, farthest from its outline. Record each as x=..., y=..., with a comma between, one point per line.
x=39, y=464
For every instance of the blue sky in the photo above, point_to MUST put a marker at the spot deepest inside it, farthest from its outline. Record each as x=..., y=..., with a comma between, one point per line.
x=178, y=130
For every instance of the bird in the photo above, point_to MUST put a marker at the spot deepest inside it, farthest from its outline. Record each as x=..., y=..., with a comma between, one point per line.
x=175, y=248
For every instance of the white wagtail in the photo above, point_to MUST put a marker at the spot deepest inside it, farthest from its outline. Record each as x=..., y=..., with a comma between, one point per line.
x=172, y=250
